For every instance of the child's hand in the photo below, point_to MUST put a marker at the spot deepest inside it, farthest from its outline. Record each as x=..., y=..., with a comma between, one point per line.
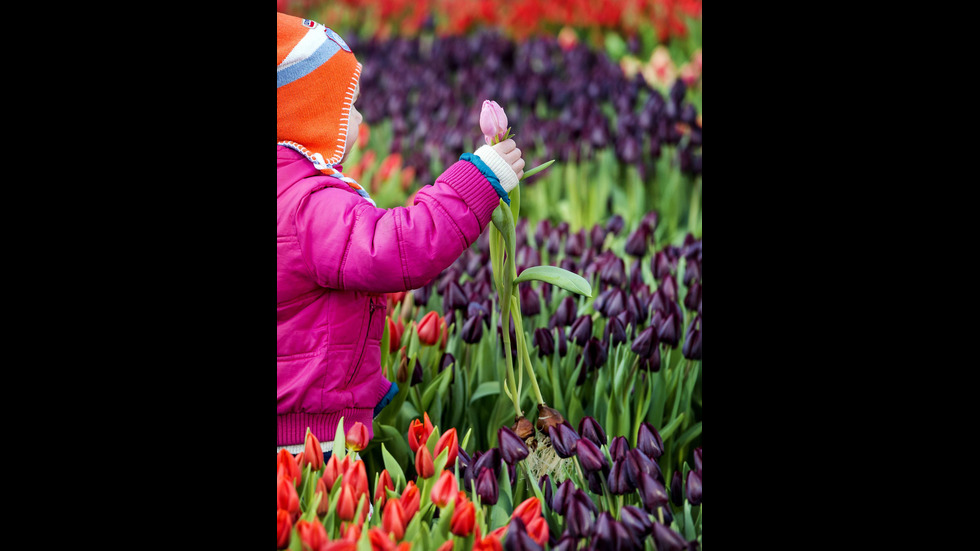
x=511, y=155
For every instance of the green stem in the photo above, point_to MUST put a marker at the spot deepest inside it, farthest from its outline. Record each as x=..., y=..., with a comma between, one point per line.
x=522, y=350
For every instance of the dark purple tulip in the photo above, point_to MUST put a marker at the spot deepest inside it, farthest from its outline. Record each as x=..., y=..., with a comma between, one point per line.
x=544, y=484
x=595, y=480
x=660, y=305
x=689, y=114
x=661, y=265
x=638, y=463
x=677, y=489
x=486, y=486
x=594, y=354
x=575, y=244
x=530, y=301
x=697, y=459
x=565, y=313
x=693, y=295
x=637, y=308
x=590, y=456
x=545, y=342
x=619, y=482
x=665, y=538
x=692, y=341
x=613, y=272
x=669, y=287
x=636, y=243
x=489, y=458
x=562, y=342
x=578, y=519
x=604, y=533
x=559, y=502
x=564, y=440
x=581, y=330
x=636, y=521
x=473, y=329
x=589, y=428
x=694, y=487
x=567, y=543
x=568, y=264
x=649, y=221
x=512, y=448
x=615, y=332
x=645, y=343
x=447, y=360
x=692, y=271
x=615, y=224
x=597, y=236
x=649, y=442
x=518, y=539
x=417, y=374
x=599, y=304
x=668, y=333
x=554, y=243
x=618, y=448
x=652, y=492
x=421, y=295
x=653, y=362
x=541, y=232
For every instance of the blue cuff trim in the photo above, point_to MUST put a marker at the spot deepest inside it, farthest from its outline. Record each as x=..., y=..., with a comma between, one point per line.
x=487, y=173
x=387, y=399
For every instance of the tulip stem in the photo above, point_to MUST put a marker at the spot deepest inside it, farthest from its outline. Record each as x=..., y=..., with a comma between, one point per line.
x=522, y=349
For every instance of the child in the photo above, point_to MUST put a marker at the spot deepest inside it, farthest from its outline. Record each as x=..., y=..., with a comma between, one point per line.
x=336, y=252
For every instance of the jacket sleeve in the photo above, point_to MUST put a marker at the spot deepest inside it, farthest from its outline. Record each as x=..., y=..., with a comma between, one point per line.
x=349, y=244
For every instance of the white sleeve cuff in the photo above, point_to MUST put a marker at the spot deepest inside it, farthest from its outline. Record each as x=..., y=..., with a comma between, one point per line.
x=506, y=174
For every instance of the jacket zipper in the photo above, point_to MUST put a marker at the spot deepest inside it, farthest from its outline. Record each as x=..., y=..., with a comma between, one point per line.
x=360, y=358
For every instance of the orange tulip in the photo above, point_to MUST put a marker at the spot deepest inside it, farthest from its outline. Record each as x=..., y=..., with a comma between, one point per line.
x=410, y=500
x=423, y=463
x=404, y=546
x=312, y=534
x=384, y=483
x=357, y=437
x=464, y=517
x=448, y=441
x=429, y=328
x=418, y=432
x=286, y=465
x=447, y=546
x=286, y=497
x=489, y=543
x=284, y=528
x=445, y=489
x=313, y=453
x=393, y=520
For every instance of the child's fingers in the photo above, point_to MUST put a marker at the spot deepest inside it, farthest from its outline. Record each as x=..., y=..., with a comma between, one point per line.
x=505, y=147
x=518, y=166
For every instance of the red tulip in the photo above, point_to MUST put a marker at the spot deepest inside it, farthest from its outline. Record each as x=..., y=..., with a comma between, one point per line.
x=284, y=528
x=286, y=497
x=445, y=489
x=429, y=328
x=410, y=500
x=321, y=488
x=380, y=541
x=334, y=468
x=395, y=332
x=313, y=453
x=538, y=530
x=418, y=432
x=489, y=543
x=356, y=478
x=528, y=510
x=312, y=534
x=394, y=519
x=286, y=465
x=448, y=441
x=346, y=504
x=384, y=483
x=357, y=437
x=423, y=463
x=464, y=517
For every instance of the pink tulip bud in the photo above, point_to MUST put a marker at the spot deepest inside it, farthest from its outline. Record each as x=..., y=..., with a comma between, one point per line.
x=493, y=122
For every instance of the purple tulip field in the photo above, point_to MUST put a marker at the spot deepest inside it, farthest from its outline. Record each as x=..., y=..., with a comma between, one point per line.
x=550, y=379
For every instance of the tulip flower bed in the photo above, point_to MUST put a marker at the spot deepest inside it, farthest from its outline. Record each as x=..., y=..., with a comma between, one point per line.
x=623, y=145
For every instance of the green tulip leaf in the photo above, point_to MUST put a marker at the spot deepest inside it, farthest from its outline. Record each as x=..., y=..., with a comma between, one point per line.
x=557, y=276
x=487, y=388
x=394, y=469
x=339, y=440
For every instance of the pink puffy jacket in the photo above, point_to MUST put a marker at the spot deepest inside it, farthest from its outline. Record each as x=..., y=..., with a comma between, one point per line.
x=336, y=254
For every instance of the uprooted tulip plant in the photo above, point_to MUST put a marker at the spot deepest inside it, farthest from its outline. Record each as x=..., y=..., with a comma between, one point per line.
x=493, y=122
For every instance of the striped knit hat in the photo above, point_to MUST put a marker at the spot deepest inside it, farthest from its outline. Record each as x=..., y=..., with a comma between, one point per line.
x=316, y=76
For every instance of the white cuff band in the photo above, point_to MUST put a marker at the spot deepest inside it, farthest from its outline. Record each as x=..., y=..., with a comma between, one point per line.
x=506, y=174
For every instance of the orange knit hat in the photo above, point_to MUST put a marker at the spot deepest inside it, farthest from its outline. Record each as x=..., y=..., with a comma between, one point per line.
x=316, y=76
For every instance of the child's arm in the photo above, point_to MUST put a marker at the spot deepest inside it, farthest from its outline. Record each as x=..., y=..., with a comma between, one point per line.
x=351, y=245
